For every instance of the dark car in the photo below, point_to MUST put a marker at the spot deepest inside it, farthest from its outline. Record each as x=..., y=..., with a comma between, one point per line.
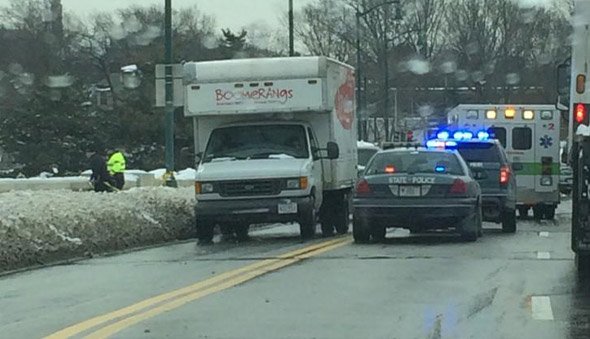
x=490, y=167
x=566, y=179
x=419, y=189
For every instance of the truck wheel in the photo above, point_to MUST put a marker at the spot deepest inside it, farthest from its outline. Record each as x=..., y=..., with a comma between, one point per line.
x=509, y=221
x=583, y=265
x=360, y=230
x=523, y=211
x=378, y=233
x=549, y=212
x=538, y=212
x=242, y=231
x=308, y=222
x=342, y=218
x=205, y=230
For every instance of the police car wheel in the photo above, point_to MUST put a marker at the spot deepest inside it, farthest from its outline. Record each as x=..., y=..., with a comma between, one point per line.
x=360, y=231
x=508, y=221
x=469, y=228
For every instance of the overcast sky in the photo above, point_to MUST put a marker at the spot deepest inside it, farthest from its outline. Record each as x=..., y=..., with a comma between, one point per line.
x=229, y=13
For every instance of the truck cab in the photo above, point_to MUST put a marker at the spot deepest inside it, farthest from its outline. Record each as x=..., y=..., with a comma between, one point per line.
x=275, y=141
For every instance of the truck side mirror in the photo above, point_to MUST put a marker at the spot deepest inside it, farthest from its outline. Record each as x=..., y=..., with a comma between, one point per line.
x=333, y=150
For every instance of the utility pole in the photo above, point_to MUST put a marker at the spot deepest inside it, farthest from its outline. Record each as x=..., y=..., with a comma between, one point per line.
x=169, y=110
x=291, y=30
x=358, y=74
x=386, y=75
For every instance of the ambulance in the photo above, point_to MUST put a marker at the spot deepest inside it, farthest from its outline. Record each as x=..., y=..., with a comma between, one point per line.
x=530, y=136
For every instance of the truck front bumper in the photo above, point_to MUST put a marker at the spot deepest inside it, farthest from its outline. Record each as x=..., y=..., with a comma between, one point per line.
x=253, y=211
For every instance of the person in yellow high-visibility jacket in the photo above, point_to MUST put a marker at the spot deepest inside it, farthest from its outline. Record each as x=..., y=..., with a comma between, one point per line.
x=116, y=167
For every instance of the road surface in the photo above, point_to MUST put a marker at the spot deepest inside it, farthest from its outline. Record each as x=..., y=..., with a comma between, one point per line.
x=432, y=286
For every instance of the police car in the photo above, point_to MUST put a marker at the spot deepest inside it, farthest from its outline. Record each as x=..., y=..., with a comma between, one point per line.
x=418, y=188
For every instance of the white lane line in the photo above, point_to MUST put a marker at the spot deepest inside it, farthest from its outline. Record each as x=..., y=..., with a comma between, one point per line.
x=543, y=255
x=541, y=308
x=544, y=234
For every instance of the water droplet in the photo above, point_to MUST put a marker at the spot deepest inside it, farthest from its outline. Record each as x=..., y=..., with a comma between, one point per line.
x=55, y=95
x=512, y=78
x=210, y=42
x=117, y=32
x=490, y=68
x=15, y=68
x=472, y=48
x=477, y=76
x=132, y=25
x=59, y=81
x=462, y=75
x=448, y=67
x=27, y=79
x=425, y=110
x=544, y=58
x=49, y=38
x=418, y=66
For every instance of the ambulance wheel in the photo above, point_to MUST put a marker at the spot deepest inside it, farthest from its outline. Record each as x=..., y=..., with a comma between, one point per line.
x=509, y=221
x=549, y=212
x=242, y=232
x=523, y=211
x=538, y=212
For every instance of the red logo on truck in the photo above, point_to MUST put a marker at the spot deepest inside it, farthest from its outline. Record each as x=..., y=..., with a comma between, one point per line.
x=344, y=101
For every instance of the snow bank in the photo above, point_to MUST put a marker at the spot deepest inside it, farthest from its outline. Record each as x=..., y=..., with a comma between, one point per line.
x=44, y=226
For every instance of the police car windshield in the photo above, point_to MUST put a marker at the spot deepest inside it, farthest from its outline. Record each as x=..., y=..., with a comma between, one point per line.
x=412, y=162
x=479, y=152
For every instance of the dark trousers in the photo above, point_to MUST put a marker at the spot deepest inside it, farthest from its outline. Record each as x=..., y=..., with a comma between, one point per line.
x=119, y=180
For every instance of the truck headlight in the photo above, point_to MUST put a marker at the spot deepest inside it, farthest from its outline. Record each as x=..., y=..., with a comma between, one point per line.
x=297, y=183
x=203, y=187
x=206, y=187
x=546, y=181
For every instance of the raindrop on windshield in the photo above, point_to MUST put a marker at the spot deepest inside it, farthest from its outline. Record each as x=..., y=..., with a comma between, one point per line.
x=477, y=76
x=2, y=75
x=448, y=67
x=27, y=79
x=15, y=68
x=425, y=110
x=59, y=81
x=418, y=66
x=117, y=32
x=132, y=25
x=512, y=78
x=472, y=48
x=210, y=42
x=462, y=75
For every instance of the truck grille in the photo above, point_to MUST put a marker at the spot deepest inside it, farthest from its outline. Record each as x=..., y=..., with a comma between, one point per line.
x=249, y=188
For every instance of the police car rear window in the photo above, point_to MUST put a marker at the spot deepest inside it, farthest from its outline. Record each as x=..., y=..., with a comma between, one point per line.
x=412, y=162
x=364, y=155
x=479, y=152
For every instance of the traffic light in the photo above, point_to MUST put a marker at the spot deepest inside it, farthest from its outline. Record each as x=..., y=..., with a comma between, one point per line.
x=580, y=115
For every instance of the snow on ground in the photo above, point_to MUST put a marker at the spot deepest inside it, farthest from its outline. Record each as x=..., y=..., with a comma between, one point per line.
x=43, y=226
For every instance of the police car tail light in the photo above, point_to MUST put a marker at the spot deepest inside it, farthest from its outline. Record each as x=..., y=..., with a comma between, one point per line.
x=580, y=113
x=362, y=187
x=504, y=175
x=459, y=187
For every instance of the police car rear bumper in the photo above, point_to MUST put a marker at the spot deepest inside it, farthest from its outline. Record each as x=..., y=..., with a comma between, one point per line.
x=428, y=213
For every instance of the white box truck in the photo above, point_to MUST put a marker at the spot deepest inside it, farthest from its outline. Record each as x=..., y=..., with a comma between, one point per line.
x=275, y=140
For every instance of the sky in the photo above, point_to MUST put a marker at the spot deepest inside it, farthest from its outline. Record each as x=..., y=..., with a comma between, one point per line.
x=233, y=14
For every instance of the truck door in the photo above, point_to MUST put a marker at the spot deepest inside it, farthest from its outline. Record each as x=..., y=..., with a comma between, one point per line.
x=317, y=169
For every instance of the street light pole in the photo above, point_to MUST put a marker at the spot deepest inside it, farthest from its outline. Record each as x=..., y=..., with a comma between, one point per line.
x=291, y=30
x=358, y=75
x=169, y=110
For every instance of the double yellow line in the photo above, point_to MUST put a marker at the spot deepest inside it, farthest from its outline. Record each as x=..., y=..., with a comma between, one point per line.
x=123, y=318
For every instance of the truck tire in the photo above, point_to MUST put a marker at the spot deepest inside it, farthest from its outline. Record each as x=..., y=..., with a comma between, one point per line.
x=341, y=217
x=242, y=232
x=509, y=221
x=308, y=222
x=378, y=233
x=583, y=264
x=205, y=231
x=360, y=230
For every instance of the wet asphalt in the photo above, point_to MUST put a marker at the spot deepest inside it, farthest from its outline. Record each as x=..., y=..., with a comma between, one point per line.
x=427, y=286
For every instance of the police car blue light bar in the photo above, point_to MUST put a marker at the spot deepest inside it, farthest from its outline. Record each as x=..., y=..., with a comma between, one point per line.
x=443, y=135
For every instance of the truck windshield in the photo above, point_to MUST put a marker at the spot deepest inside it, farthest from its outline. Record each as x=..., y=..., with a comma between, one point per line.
x=257, y=142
